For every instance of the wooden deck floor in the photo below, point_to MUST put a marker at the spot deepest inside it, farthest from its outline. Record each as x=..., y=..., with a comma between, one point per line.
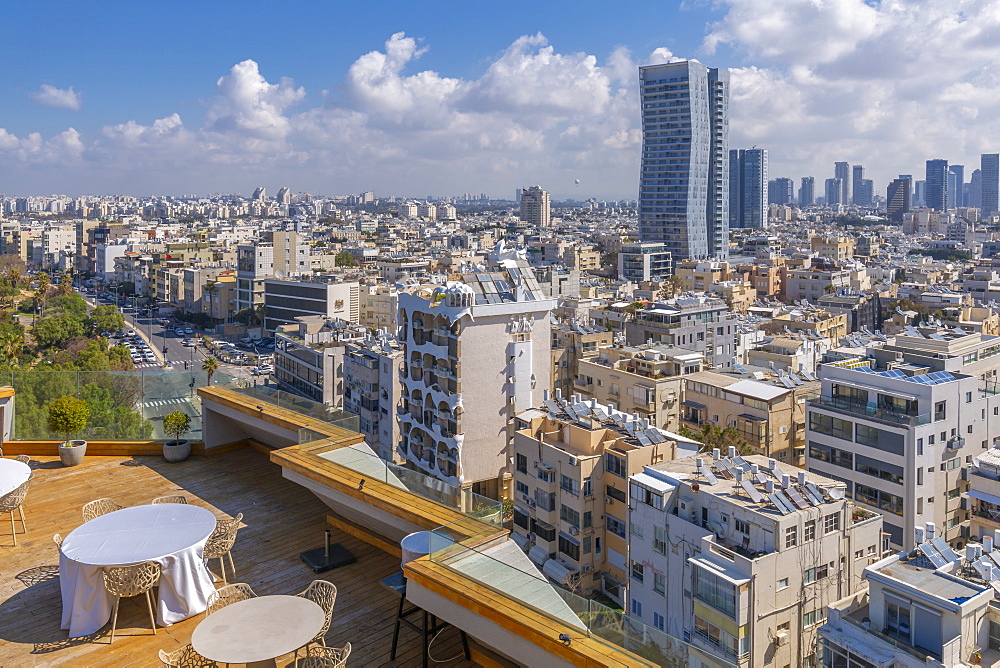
x=281, y=520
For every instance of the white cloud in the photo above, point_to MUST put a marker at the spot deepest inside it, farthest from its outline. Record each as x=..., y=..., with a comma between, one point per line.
x=50, y=96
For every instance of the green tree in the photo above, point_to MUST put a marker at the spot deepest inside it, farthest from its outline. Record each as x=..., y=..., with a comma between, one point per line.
x=671, y=287
x=251, y=316
x=176, y=424
x=72, y=304
x=104, y=318
x=345, y=259
x=711, y=436
x=210, y=366
x=56, y=331
x=68, y=415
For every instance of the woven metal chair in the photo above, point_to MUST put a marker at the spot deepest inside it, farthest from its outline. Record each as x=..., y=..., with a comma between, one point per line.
x=177, y=498
x=57, y=539
x=24, y=459
x=327, y=657
x=223, y=596
x=127, y=581
x=185, y=657
x=323, y=594
x=220, y=544
x=99, y=507
x=11, y=502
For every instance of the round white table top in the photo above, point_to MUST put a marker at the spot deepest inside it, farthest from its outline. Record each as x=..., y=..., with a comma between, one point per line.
x=13, y=474
x=258, y=629
x=137, y=534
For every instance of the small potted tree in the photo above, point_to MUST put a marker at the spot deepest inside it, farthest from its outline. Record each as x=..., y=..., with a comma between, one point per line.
x=176, y=424
x=69, y=415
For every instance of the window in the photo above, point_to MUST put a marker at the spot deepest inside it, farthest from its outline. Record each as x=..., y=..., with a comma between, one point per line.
x=569, y=547
x=810, y=531
x=588, y=519
x=968, y=397
x=815, y=573
x=791, y=537
x=615, y=493
x=879, y=469
x=660, y=540
x=567, y=514
x=588, y=486
x=715, y=591
x=897, y=620
x=782, y=583
x=875, y=497
x=658, y=621
x=567, y=484
x=783, y=626
x=636, y=608
x=743, y=527
x=831, y=523
x=615, y=526
x=545, y=500
x=520, y=487
x=586, y=544
x=814, y=617
x=920, y=446
x=994, y=640
x=637, y=571
x=522, y=463
x=659, y=583
x=614, y=465
x=520, y=518
x=546, y=475
x=825, y=424
x=635, y=529
x=940, y=410
x=646, y=496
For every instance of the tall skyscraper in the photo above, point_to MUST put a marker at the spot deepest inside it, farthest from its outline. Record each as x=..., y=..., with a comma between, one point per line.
x=857, y=177
x=834, y=192
x=990, y=166
x=976, y=189
x=780, y=191
x=807, y=193
x=956, y=179
x=684, y=177
x=535, y=207
x=897, y=199
x=747, y=187
x=936, y=193
x=842, y=171
x=259, y=194
x=919, y=193
x=864, y=192
x=284, y=195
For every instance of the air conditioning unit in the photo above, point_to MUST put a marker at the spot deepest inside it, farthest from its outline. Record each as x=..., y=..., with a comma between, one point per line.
x=587, y=568
x=524, y=497
x=781, y=639
x=608, y=499
x=573, y=461
x=573, y=531
x=531, y=503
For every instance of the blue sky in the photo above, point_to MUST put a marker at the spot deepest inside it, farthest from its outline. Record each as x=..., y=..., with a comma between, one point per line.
x=445, y=97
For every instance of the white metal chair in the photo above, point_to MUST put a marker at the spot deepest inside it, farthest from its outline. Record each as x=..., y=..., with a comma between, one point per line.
x=11, y=502
x=323, y=594
x=223, y=596
x=177, y=498
x=327, y=657
x=185, y=657
x=127, y=581
x=95, y=509
x=220, y=543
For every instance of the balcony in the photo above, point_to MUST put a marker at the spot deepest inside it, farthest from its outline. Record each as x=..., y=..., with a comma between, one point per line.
x=852, y=409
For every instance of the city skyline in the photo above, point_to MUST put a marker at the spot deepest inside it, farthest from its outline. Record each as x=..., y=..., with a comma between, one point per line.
x=446, y=101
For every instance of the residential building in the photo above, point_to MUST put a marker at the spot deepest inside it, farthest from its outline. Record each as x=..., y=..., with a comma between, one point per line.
x=748, y=188
x=572, y=342
x=684, y=180
x=379, y=304
x=781, y=191
x=639, y=380
x=842, y=172
x=832, y=248
x=278, y=254
x=702, y=324
x=309, y=357
x=477, y=351
x=936, y=188
x=326, y=296
x=863, y=309
x=535, y=208
x=807, y=192
x=984, y=494
x=834, y=192
x=990, y=171
x=699, y=276
x=220, y=297
x=371, y=389
x=743, y=554
x=572, y=462
x=644, y=262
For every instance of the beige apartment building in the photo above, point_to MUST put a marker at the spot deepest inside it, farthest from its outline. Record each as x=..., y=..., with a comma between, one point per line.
x=768, y=415
x=572, y=461
x=571, y=342
x=814, y=323
x=834, y=248
x=642, y=380
x=700, y=276
x=379, y=305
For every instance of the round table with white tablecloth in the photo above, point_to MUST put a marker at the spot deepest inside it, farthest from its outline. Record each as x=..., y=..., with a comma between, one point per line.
x=13, y=474
x=171, y=534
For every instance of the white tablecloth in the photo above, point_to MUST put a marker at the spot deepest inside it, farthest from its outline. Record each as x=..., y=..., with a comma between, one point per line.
x=12, y=475
x=171, y=534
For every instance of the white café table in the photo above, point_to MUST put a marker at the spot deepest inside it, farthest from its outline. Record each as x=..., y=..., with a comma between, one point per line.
x=13, y=474
x=171, y=534
x=258, y=630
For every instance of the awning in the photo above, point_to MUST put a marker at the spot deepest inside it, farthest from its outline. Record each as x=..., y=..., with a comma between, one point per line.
x=556, y=571
x=752, y=418
x=538, y=554
x=983, y=496
x=522, y=541
x=693, y=404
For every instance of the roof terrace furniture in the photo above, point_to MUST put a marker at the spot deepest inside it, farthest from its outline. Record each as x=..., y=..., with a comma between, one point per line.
x=173, y=535
x=223, y=596
x=58, y=540
x=327, y=657
x=258, y=629
x=24, y=459
x=127, y=581
x=323, y=594
x=12, y=501
x=95, y=509
x=13, y=474
x=176, y=498
x=220, y=543
x=185, y=657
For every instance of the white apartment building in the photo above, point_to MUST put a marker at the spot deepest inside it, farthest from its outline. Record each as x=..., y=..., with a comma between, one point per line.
x=641, y=262
x=371, y=390
x=477, y=351
x=742, y=556
x=309, y=357
x=285, y=300
x=277, y=254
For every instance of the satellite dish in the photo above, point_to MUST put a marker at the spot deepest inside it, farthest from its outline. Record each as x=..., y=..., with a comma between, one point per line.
x=279, y=273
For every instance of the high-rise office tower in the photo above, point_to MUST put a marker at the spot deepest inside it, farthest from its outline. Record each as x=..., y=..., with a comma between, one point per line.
x=990, y=166
x=684, y=176
x=976, y=189
x=747, y=184
x=842, y=171
x=936, y=193
x=857, y=176
x=780, y=191
x=834, y=192
x=919, y=193
x=956, y=179
x=807, y=193
x=863, y=192
x=535, y=207
x=897, y=199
